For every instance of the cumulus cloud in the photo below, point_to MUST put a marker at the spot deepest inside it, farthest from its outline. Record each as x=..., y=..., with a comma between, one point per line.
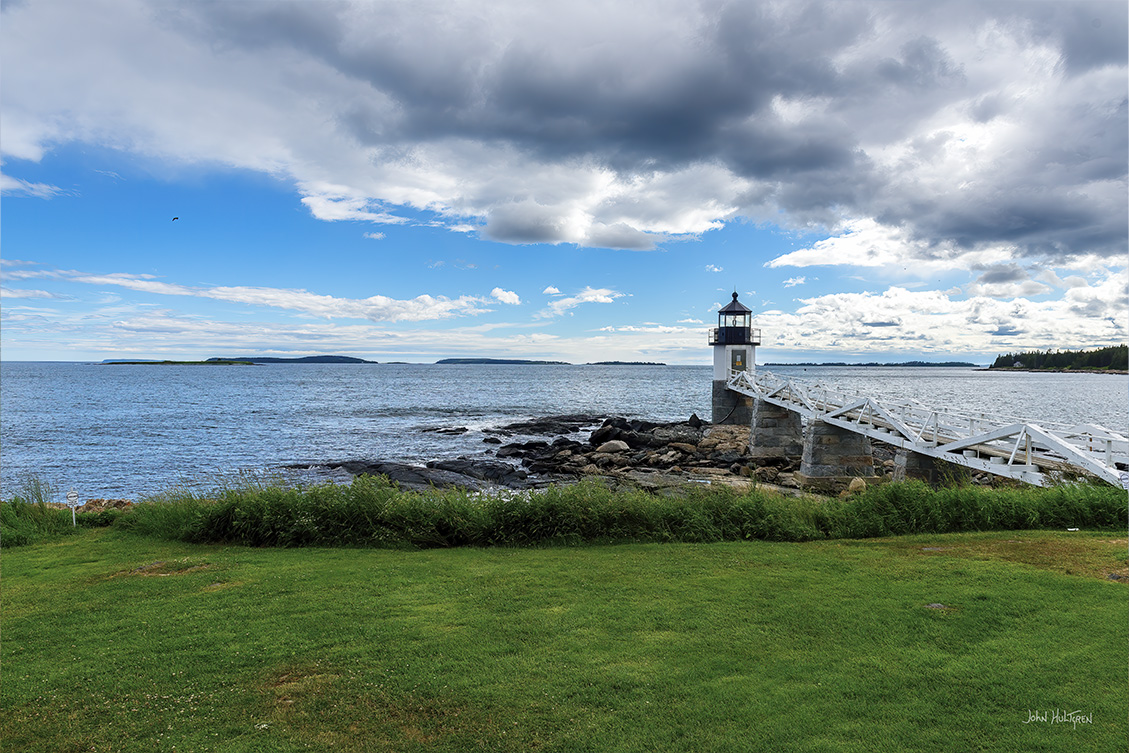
x=714, y=268
x=935, y=322
x=868, y=243
x=957, y=127
x=375, y=236
x=551, y=291
x=505, y=296
x=792, y=282
x=587, y=295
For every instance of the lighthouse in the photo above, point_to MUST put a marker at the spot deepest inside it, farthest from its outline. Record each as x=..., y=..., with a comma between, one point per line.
x=734, y=344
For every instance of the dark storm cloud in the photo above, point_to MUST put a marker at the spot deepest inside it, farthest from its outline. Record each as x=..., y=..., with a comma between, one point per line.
x=627, y=95
x=797, y=101
x=1003, y=273
x=1090, y=34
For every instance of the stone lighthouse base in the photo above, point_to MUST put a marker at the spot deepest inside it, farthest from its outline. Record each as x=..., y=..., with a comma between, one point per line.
x=832, y=457
x=730, y=408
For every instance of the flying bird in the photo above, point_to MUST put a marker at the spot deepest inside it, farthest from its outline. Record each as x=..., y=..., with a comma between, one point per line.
x=174, y=219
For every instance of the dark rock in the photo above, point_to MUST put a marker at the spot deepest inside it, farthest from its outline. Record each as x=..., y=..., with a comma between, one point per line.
x=694, y=421
x=411, y=477
x=484, y=470
x=450, y=430
x=566, y=424
x=492, y=440
x=725, y=457
x=519, y=449
x=605, y=433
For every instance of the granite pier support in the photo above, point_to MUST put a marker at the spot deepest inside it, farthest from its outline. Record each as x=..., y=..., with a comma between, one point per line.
x=834, y=456
x=776, y=434
x=909, y=464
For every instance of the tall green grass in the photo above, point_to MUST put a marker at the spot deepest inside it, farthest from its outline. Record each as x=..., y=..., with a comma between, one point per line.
x=26, y=518
x=372, y=512
x=914, y=507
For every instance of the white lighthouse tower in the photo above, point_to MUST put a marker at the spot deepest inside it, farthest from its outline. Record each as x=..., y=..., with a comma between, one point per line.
x=734, y=344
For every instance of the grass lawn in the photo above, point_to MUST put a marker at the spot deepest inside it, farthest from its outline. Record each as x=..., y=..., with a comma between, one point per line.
x=114, y=641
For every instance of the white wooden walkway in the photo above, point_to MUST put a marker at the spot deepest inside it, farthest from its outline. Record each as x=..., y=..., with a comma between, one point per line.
x=1035, y=453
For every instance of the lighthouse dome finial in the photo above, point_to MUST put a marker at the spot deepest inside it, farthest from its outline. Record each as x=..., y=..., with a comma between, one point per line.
x=734, y=295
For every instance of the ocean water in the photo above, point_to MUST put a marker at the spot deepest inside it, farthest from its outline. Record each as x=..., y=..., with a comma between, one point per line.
x=131, y=431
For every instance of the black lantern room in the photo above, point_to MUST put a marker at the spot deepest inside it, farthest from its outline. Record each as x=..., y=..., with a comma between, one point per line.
x=734, y=326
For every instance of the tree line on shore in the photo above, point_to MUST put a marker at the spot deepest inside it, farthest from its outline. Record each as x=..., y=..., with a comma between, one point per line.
x=1113, y=358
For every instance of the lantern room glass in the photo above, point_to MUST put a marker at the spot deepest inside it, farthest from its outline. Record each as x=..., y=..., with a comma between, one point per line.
x=735, y=320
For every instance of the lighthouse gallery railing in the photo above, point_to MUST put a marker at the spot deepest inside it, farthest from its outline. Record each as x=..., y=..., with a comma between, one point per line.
x=1004, y=446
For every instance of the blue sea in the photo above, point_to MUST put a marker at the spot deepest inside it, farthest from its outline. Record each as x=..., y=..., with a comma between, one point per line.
x=126, y=431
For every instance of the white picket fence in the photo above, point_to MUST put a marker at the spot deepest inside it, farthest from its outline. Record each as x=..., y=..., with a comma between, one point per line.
x=1035, y=453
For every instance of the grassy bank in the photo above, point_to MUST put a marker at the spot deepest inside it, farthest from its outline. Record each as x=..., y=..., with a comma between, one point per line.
x=372, y=512
x=114, y=641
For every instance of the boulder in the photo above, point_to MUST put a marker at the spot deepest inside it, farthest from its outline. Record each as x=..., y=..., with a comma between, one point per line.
x=768, y=474
x=677, y=433
x=615, y=445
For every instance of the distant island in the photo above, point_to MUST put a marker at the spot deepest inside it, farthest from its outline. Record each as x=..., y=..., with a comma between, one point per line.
x=151, y=362
x=503, y=361
x=302, y=359
x=624, y=363
x=1114, y=359
x=947, y=364
x=241, y=361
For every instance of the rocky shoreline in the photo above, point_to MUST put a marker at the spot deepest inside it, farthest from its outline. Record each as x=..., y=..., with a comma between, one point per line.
x=661, y=458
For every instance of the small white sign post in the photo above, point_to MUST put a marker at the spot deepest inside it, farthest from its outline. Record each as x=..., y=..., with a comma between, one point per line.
x=1124, y=476
x=72, y=502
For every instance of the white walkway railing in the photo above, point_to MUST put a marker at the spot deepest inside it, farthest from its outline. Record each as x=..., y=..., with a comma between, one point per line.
x=1035, y=453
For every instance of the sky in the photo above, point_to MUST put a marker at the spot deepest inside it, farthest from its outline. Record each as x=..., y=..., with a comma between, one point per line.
x=578, y=181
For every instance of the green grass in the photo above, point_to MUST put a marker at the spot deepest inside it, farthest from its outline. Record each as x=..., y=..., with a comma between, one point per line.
x=114, y=641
